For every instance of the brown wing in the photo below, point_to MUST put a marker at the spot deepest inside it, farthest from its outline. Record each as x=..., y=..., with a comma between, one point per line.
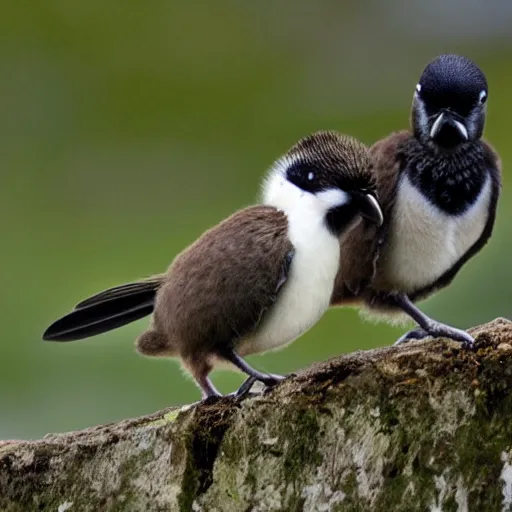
x=388, y=162
x=219, y=288
x=360, y=245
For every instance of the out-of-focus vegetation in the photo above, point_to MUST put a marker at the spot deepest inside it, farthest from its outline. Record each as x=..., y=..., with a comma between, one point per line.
x=127, y=129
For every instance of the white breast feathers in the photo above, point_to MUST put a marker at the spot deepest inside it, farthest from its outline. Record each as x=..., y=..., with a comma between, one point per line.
x=424, y=242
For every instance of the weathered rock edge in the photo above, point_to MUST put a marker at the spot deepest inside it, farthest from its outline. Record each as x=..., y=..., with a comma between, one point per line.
x=425, y=426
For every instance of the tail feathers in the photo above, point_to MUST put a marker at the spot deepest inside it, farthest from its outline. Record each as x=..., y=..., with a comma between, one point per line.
x=144, y=289
x=98, y=318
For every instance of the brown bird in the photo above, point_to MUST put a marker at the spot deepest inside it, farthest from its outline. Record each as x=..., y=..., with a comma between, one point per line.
x=438, y=186
x=257, y=280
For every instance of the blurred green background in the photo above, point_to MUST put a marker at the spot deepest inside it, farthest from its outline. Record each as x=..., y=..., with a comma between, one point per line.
x=129, y=128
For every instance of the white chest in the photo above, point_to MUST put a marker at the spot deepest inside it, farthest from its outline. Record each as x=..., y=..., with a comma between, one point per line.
x=306, y=294
x=424, y=242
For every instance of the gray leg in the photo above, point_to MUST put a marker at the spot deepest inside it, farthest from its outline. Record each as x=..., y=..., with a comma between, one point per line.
x=244, y=389
x=200, y=370
x=265, y=378
x=208, y=390
x=429, y=326
x=247, y=384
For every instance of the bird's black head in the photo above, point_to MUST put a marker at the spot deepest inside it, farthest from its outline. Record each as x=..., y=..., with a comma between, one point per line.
x=327, y=173
x=449, y=102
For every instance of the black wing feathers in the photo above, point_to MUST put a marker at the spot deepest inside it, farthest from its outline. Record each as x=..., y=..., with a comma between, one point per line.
x=144, y=287
x=106, y=311
x=98, y=318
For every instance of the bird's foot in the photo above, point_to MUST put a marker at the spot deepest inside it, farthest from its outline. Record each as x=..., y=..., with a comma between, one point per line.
x=210, y=399
x=428, y=326
x=438, y=330
x=414, y=334
x=245, y=389
x=272, y=379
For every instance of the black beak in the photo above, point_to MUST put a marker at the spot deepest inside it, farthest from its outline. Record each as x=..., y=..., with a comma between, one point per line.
x=448, y=129
x=369, y=208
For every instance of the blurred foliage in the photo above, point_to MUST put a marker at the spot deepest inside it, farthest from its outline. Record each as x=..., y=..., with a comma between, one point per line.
x=128, y=129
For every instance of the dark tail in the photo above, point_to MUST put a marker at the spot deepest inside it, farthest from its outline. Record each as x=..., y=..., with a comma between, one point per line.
x=106, y=311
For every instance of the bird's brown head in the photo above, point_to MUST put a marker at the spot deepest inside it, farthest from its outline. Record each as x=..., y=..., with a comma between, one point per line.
x=329, y=173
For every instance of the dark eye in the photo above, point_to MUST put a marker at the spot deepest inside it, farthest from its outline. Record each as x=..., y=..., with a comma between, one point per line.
x=482, y=98
x=303, y=175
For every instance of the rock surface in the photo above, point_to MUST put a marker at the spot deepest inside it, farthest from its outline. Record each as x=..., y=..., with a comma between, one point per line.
x=424, y=426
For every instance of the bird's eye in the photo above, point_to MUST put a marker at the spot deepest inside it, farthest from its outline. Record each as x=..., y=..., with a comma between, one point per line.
x=304, y=175
x=482, y=97
x=418, y=88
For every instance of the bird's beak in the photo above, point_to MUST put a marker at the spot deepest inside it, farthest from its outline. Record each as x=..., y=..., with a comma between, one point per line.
x=370, y=208
x=447, y=126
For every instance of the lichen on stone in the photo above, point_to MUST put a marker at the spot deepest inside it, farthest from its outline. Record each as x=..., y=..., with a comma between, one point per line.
x=422, y=427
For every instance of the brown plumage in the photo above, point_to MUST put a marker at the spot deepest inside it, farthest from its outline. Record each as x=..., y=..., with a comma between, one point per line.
x=255, y=281
x=216, y=291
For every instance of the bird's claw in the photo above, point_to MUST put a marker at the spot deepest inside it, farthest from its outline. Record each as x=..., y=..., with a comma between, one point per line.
x=245, y=389
x=439, y=330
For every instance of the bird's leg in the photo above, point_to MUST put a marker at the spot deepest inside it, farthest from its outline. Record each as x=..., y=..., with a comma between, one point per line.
x=267, y=379
x=208, y=390
x=244, y=389
x=200, y=373
x=247, y=384
x=428, y=326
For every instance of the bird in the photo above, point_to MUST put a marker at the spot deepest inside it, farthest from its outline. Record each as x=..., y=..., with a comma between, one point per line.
x=254, y=282
x=438, y=185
